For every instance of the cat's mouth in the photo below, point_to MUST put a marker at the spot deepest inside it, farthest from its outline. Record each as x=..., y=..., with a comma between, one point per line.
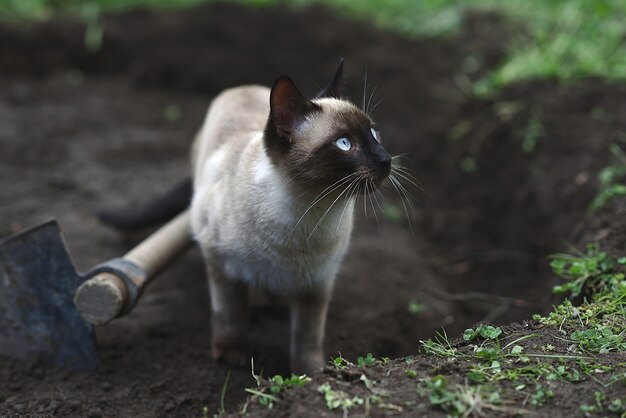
x=379, y=172
x=381, y=169
x=373, y=179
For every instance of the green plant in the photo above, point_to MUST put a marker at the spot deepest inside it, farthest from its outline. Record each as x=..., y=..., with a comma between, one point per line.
x=487, y=353
x=339, y=399
x=366, y=361
x=41, y=9
x=612, y=180
x=274, y=386
x=462, y=400
x=600, y=339
x=485, y=331
x=279, y=383
x=562, y=39
x=616, y=406
x=566, y=40
x=563, y=372
x=265, y=399
x=416, y=308
x=597, y=324
x=440, y=346
x=534, y=131
x=340, y=363
x=594, y=270
x=541, y=395
x=223, y=394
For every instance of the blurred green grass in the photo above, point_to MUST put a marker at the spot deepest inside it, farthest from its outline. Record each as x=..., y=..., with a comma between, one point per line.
x=564, y=40
x=23, y=10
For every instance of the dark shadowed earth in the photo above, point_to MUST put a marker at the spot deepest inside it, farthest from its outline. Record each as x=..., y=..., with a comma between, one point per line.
x=83, y=130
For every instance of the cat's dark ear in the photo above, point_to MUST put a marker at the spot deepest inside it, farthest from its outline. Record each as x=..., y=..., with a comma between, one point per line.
x=288, y=107
x=333, y=87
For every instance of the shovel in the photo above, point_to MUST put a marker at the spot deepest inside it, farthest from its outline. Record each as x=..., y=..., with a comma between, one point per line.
x=48, y=309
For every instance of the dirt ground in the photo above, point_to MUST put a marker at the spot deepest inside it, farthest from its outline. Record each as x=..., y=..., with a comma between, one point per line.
x=83, y=130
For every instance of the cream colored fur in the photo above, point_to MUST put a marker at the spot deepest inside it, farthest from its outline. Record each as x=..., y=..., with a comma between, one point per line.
x=247, y=217
x=245, y=212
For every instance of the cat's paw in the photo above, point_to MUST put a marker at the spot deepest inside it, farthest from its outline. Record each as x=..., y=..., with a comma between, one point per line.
x=235, y=354
x=307, y=363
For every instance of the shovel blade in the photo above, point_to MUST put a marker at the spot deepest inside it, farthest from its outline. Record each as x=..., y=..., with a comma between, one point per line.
x=38, y=320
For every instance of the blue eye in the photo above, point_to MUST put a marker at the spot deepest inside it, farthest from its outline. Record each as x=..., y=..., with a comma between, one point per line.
x=343, y=144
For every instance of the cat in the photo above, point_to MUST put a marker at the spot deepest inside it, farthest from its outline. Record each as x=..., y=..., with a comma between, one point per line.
x=275, y=179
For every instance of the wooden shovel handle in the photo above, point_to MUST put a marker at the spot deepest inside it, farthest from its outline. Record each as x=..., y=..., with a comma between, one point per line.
x=116, y=285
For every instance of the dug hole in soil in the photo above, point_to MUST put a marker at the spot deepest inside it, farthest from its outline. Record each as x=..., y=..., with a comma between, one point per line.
x=82, y=130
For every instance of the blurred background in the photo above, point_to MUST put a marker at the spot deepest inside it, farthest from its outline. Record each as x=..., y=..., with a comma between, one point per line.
x=510, y=116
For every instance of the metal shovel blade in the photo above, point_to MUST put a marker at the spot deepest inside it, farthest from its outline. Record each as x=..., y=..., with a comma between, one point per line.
x=38, y=320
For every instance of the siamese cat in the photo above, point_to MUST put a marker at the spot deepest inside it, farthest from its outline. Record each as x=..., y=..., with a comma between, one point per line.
x=275, y=179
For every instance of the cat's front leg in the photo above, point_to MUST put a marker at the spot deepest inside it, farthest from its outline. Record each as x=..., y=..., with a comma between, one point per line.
x=229, y=320
x=308, y=322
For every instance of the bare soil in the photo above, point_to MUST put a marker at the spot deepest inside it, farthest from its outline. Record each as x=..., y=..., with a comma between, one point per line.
x=81, y=130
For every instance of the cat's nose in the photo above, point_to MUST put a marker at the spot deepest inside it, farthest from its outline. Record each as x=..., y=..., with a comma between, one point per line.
x=383, y=160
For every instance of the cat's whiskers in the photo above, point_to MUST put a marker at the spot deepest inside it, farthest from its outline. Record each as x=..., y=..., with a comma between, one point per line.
x=348, y=201
x=355, y=181
x=406, y=177
x=401, y=175
x=395, y=184
x=330, y=189
x=404, y=172
x=292, y=178
x=370, y=111
x=369, y=192
x=406, y=197
x=375, y=192
x=361, y=190
x=397, y=177
x=404, y=156
x=364, y=91
x=369, y=101
x=322, y=195
x=409, y=196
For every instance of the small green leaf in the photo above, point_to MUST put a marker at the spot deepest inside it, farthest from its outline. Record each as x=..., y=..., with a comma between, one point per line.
x=366, y=361
x=469, y=334
x=476, y=376
x=487, y=353
x=439, y=381
x=416, y=307
x=490, y=332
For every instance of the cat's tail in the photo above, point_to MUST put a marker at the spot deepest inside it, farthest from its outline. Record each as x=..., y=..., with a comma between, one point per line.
x=156, y=212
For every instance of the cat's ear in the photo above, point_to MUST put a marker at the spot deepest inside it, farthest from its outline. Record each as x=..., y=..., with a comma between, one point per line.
x=333, y=87
x=288, y=107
